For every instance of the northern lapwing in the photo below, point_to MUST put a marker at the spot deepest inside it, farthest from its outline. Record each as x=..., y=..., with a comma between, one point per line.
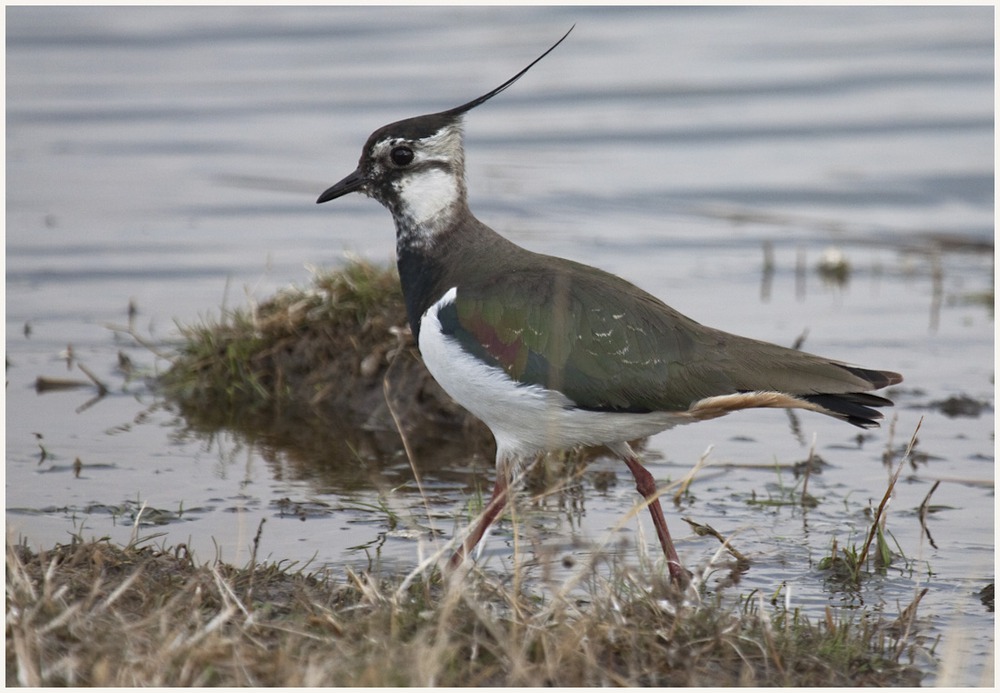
x=551, y=353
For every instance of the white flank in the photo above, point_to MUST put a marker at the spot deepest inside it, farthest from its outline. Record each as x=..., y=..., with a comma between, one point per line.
x=525, y=419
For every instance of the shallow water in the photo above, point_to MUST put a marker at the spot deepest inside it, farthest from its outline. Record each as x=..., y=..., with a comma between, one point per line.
x=171, y=157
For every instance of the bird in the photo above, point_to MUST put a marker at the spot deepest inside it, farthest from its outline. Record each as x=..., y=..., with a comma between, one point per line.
x=553, y=354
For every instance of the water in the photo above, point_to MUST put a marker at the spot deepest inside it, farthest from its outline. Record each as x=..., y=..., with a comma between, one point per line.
x=171, y=157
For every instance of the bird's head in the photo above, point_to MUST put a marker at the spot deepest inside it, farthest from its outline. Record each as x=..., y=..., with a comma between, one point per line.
x=416, y=167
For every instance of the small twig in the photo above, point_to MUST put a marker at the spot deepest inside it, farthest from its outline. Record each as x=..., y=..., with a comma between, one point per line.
x=141, y=341
x=45, y=453
x=708, y=530
x=134, y=537
x=905, y=621
x=89, y=403
x=102, y=389
x=888, y=493
x=253, y=559
x=807, y=474
x=410, y=457
x=689, y=477
x=923, y=513
x=44, y=384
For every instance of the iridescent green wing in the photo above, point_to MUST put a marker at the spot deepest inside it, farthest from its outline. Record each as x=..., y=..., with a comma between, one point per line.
x=601, y=341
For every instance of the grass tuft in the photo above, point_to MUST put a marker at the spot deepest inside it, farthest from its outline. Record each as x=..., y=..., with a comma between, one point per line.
x=313, y=358
x=94, y=614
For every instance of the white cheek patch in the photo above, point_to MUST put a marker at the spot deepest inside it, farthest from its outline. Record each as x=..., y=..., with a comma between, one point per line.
x=428, y=194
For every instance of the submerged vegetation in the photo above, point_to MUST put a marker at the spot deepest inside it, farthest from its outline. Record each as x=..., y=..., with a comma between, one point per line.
x=94, y=614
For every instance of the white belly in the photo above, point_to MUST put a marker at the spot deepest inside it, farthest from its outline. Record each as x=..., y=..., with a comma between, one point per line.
x=524, y=419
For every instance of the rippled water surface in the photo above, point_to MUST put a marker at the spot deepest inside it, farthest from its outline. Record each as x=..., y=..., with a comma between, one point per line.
x=171, y=157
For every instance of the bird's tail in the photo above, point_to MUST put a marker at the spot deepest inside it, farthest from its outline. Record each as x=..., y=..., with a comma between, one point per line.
x=855, y=405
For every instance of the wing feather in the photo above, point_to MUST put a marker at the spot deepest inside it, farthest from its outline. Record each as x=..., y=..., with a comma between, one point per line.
x=608, y=345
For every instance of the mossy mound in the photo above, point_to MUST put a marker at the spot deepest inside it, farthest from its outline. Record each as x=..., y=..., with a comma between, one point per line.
x=333, y=354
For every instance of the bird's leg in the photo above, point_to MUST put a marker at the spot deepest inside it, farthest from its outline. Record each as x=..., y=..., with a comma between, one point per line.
x=497, y=502
x=646, y=485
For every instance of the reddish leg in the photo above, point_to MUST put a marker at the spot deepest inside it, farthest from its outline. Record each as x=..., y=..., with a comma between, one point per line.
x=646, y=485
x=496, y=505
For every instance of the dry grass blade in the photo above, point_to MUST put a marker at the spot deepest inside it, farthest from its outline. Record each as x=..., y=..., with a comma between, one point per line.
x=134, y=535
x=96, y=615
x=703, y=530
x=386, y=390
x=880, y=511
x=688, y=478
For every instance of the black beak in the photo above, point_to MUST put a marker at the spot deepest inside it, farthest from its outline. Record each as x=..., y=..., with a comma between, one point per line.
x=354, y=181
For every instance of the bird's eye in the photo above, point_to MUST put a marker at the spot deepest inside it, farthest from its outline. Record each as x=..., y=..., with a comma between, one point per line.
x=401, y=156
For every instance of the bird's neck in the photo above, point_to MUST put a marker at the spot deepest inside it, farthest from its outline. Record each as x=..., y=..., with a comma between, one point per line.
x=433, y=260
x=421, y=276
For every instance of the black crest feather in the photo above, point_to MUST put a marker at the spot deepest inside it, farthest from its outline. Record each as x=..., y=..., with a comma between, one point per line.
x=459, y=110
